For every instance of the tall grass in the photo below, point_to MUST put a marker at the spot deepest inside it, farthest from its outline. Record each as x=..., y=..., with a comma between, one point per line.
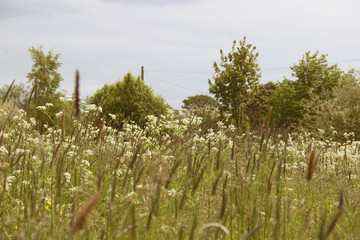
x=171, y=180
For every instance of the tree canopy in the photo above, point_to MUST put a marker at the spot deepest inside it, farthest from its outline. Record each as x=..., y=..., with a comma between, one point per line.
x=313, y=77
x=44, y=77
x=236, y=78
x=339, y=115
x=129, y=98
x=199, y=101
x=257, y=107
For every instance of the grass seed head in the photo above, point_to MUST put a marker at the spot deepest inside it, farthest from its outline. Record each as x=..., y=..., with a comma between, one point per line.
x=77, y=94
x=311, y=165
x=85, y=212
x=8, y=91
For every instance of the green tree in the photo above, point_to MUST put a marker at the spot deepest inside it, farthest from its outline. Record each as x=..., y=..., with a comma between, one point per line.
x=287, y=106
x=337, y=115
x=44, y=80
x=18, y=95
x=130, y=99
x=257, y=107
x=44, y=77
x=236, y=78
x=313, y=77
x=205, y=107
x=199, y=101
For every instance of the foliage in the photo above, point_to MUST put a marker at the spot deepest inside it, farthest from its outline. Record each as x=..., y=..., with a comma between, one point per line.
x=19, y=95
x=338, y=115
x=44, y=76
x=199, y=101
x=175, y=177
x=205, y=107
x=165, y=181
x=287, y=106
x=257, y=107
x=313, y=77
x=236, y=78
x=129, y=98
x=44, y=80
x=210, y=116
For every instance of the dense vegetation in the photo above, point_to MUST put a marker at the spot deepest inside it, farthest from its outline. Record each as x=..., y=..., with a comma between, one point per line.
x=129, y=99
x=280, y=162
x=169, y=180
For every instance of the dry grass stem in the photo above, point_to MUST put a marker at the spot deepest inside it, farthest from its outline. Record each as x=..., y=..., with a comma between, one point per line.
x=336, y=217
x=8, y=91
x=85, y=211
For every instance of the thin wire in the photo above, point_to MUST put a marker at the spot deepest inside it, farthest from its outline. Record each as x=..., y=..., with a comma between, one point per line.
x=175, y=71
x=170, y=83
x=275, y=68
x=264, y=69
x=344, y=61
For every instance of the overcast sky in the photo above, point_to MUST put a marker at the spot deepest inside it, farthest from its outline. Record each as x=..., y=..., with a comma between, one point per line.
x=176, y=41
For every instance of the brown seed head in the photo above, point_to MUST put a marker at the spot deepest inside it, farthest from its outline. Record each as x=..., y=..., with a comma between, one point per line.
x=8, y=91
x=80, y=220
x=77, y=94
x=311, y=165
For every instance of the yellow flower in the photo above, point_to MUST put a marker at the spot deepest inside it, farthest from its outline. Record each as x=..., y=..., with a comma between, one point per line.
x=49, y=204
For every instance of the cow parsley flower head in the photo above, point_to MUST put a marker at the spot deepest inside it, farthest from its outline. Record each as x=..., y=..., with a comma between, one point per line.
x=67, y=176
x=41, y=108
x=59, y=114
x=113, y=116
x=172, y=192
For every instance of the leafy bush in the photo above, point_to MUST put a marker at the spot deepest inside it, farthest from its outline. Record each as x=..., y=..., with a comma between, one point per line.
x=129, y=99
x=167, y=180
x=18, y=95
x=338, y=115
x=199, y=101
x=313, y=77
x=205, y=107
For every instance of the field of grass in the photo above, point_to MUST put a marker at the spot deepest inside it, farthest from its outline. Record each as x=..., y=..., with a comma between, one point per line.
x=172, y=180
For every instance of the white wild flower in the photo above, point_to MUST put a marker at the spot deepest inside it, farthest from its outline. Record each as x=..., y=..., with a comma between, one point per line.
x=3, y=150
x=32, y=121
x=113, y=116
x=69, y=99
x=67, y=176
x=25, y=182
x=86, y=163
x=59, y=114
x=41, y=108
x=90, y=107
x=172, y=192
x=89, y=152
x=9, y=181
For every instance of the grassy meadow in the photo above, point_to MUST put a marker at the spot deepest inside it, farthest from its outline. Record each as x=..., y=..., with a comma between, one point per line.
x=171, y=179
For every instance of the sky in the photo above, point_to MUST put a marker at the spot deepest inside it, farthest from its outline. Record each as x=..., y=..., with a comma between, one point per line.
x=177, y=41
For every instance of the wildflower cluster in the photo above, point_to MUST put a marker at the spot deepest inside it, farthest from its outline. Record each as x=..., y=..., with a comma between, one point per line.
x=163, y=174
